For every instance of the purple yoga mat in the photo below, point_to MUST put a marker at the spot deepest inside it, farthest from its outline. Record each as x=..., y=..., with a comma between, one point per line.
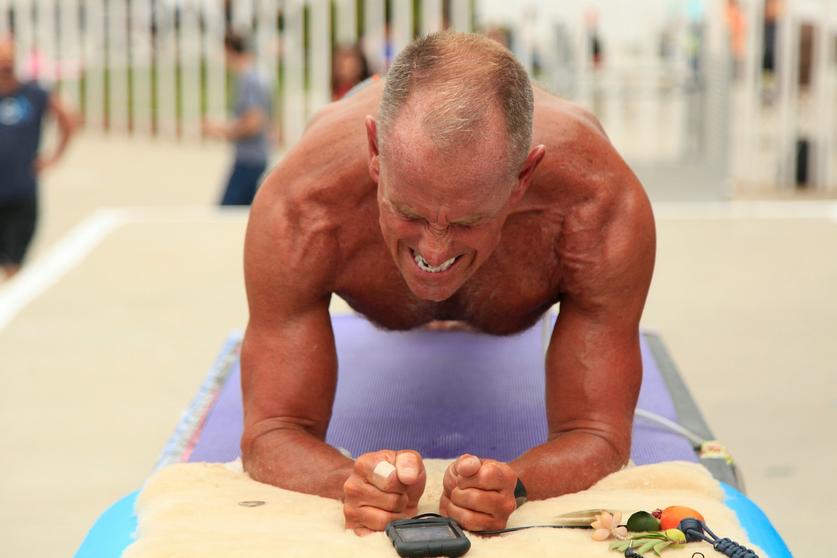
x=442, y=394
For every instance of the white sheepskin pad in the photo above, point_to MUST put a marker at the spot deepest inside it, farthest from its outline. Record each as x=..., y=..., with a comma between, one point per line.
x=192, y=510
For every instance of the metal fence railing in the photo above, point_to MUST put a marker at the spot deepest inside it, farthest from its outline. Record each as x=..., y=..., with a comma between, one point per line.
x=156, y=67
x=660, y=78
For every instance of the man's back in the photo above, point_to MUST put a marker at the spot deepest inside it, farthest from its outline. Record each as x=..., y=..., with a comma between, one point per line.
x=551, y=244
x=21, y=121
x=252, y=93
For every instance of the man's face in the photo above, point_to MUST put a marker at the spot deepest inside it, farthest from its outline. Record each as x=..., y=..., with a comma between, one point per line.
x=441, y=214
x=7, y=58
x=229, y=57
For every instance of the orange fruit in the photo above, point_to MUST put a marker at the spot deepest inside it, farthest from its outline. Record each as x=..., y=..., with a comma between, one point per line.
x=673, y=515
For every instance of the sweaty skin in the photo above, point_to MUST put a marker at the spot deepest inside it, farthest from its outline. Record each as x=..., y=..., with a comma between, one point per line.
x=577, y=228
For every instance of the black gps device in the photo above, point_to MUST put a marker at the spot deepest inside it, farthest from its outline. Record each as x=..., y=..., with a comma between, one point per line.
x=427, y=535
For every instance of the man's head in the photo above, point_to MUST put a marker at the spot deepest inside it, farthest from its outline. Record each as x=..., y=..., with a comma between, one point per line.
x=236, y=50
x=450, y=153
x=7, y=58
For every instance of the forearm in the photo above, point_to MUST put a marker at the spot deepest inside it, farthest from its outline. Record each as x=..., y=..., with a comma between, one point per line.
x=248, y=125
x=571, y=462
x=66, y=128
x=293, y=459
x=63, y=140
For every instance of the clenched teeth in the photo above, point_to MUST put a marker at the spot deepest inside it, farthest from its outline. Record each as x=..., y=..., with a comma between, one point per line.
x=424, y=266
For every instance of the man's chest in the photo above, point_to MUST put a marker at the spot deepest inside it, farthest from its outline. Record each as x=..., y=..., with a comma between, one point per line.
x=512, y=289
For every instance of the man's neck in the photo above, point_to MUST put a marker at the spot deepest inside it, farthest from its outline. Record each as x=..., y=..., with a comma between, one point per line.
x=8, y=85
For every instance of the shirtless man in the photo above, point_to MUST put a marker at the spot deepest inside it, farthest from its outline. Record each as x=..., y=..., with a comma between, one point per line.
x=468, y=198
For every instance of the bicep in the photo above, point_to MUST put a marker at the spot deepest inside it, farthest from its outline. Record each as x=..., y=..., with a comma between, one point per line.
x=288, y=361
x=593, y=373
x=289, y=373
x=594, y=366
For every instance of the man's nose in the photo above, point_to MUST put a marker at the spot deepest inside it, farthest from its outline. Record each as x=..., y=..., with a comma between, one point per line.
x=434, y=245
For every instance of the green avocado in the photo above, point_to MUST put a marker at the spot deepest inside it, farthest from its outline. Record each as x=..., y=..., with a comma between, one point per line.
x=642, y=522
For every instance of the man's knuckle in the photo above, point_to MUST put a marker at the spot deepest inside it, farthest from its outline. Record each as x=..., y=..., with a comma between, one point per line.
x=470, y=519
x=361, y=464
x=402, y=501
x=352, y=489
x=494, y=523
x=508, y=506
x=378, y=521
x=480, y=523
x=351, y=513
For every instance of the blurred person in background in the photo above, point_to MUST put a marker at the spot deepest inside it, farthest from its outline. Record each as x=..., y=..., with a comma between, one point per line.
x=500, y=34
x=248, y=131
x=737, y=28
x=23, y=106
x=348, y=68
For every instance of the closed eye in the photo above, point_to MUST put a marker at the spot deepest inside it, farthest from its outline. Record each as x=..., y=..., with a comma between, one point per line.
x=409, y=217
x=468, y=224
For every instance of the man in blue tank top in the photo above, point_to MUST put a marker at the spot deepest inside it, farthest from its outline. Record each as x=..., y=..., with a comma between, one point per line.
x=22, y=110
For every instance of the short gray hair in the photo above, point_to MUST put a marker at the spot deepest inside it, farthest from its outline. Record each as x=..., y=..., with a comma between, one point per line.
x=464, y=71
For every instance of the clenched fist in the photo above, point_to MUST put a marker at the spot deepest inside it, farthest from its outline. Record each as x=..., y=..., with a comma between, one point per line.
x=478, y=494
x=385, y=485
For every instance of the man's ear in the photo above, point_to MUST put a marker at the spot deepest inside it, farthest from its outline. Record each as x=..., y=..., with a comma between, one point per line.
x=524, y=177
x=372, y=143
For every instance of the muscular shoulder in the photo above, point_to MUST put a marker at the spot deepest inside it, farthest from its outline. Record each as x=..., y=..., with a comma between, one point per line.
x=326, y=170
x=606, y=239
x=304, y=215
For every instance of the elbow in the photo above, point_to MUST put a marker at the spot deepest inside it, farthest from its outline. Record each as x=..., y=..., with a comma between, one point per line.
x=609, y=447
x=256, y=432
x=274, y=433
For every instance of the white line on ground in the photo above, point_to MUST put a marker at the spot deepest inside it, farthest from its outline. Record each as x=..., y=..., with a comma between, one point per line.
x=34, y=279
x=44, y=272
x=747, y=210
x=182, y=213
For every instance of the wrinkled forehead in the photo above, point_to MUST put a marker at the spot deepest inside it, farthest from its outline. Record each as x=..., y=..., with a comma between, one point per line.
x=469, y=178
x=409, y=148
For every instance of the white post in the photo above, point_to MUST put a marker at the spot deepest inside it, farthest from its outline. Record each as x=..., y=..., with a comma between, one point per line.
x=431, y=16
x=216, y=80
x=45, y=34
x=374, y=35
x=830, y=171
x=166, y=58
x=117, y=65
x=402, y=25
x=69, y=61
x=140, y=31
x=583, y=62
x=242, y=16
x=749, y=126
x=522, y=40
x=190, y=69
x=94, y=65
x=319, y=55
x=788, y=80
x=824, y=97
x=293, y=55
x=346, y=22
x=23, y=38
x=266, y=41
x=5, y=6
x=460, y=15
x=717, y=72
